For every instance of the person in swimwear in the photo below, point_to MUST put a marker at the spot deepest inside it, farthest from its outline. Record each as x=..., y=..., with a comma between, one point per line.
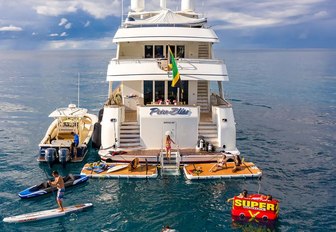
x=241, y=195
x=59, y=184
x=168, y=146
x=237, y=162
x=221, y=162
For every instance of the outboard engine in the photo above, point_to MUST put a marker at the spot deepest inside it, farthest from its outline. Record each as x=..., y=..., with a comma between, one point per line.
x=96, y=136
x=100, y=114
x=63, y=156
x=50, y=156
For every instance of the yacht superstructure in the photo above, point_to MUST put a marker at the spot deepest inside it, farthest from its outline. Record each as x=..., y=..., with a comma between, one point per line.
x=145, y=108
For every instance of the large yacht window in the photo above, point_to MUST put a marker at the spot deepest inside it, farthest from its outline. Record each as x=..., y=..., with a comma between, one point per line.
x=159, y=90
x=172, y=93
x=185, y=92
x=148, y=92
x=180, y=51
x=159, y=51
x=149, y=51
x=172, y=48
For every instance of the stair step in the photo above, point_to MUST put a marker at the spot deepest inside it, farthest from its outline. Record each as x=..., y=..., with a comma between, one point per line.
x=170, y=172
x=136, y=147
x=128, y=135
x=169, y=167
x=130, y=123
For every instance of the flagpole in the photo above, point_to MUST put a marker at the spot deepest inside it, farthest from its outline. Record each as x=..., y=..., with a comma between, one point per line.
x=178, y=95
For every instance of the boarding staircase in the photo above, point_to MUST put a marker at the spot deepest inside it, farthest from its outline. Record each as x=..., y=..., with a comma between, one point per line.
x=130, y=136
x=209, y=132
x=203, y=96
x=170, y=167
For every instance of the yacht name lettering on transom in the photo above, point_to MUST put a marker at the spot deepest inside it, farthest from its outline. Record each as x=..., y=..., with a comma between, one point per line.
x=172, y=111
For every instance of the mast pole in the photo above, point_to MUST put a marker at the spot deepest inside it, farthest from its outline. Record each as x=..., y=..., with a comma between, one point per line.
x=78, y=77
x=122, y=12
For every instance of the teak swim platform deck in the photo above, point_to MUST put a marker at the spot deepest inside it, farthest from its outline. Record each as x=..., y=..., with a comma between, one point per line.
x=203, y=171
x=140, y=172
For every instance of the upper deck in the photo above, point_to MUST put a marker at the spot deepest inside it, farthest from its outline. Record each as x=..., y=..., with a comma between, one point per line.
x=156, y=69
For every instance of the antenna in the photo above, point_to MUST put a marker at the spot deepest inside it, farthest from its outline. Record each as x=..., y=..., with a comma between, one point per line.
x=78, y=78
x=122, y=11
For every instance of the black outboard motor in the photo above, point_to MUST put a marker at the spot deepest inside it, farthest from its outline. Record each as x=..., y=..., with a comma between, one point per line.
x=96, y=136
x=100, y=114
x=50, y=156
x=63, y=156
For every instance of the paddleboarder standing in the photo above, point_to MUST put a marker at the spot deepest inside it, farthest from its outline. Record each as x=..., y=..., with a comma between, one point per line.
x=59, y=184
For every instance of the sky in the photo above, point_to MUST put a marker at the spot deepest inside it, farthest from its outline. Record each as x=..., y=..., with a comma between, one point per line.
x=239, y=24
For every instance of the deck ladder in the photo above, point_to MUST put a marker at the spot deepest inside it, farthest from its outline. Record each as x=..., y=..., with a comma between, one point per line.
x=170, y=167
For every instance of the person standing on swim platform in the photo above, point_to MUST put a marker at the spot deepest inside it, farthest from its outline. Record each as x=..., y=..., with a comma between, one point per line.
x=59, y=184
x=74, y=145
x=168, y=144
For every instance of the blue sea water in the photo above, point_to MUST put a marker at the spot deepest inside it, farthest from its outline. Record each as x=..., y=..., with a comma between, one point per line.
x=285, y=108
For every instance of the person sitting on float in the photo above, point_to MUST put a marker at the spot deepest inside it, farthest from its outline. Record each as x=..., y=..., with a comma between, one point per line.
x=237, y=162
x=220, y=164
x=241, y=195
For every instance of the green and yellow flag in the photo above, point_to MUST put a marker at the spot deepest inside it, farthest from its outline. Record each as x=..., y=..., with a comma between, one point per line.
x=176, y=75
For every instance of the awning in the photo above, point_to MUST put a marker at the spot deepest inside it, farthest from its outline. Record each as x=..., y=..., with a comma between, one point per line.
x=146, y=34
x=166, y=17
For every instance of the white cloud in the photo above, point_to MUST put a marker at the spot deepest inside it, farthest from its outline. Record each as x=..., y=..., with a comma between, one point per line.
x=321, y=14
x=63, y=22
x=104, y=43
x=55, y=8
x=10, y=28
x=241, y=14
x=67, y=26
x=98, y=9
x=63, y=34
x=87, y=23
x=53, y=35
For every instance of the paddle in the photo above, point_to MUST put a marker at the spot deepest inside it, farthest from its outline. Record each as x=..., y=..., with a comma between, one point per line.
x=52, y=190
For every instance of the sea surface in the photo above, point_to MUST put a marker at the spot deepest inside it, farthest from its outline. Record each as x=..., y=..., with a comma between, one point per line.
x=285, y=108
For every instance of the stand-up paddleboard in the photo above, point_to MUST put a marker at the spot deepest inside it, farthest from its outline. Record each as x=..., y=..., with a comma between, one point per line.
x=46, y=214
x=116, y=168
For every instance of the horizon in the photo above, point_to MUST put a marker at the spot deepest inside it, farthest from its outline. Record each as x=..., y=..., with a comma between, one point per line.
x=240, y=25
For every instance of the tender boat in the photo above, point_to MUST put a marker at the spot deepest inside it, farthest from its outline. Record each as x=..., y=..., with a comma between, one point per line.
x=56, y=146
x=45, y=188
x=171, y=83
